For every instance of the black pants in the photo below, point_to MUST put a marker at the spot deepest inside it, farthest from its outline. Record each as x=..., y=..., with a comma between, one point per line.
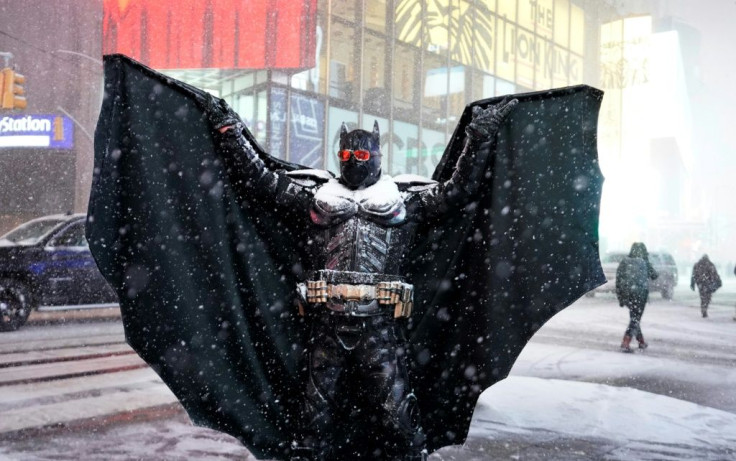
x=358, y=402
x=705, y=296
x=636, y=310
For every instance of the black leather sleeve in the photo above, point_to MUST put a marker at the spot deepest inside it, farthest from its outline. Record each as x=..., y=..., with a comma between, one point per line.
x=251, y=177
x=463, y=186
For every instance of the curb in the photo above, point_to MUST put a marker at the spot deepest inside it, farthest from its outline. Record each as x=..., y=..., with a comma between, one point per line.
x=153, y=413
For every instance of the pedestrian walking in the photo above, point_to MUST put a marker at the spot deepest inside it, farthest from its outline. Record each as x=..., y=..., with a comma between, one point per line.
x=632, y=290
x=706, y=277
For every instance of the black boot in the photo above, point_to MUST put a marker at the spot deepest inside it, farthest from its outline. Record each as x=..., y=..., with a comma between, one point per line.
x=642, y=344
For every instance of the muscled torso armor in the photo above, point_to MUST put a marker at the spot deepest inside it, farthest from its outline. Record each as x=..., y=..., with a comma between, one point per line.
x=361, y=230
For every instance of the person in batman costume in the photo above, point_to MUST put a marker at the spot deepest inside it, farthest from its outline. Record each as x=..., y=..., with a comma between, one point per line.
x=241, y=277
x=363, y=223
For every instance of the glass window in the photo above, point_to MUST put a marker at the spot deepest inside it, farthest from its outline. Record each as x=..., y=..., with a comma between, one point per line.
x=278, y=113
x=343, y=84
x=503, y=87
x=31, y=232
x=72, y=236
x=404, y=75
x=461, y=32
x=432, y=148
x=484, y=40
x=306, y=136
x=577, y=29
x=314, y=79
x=505, y=59
x=405, y=153
x=335, y=119
x=436, y=24
x=376, y=96
x=562, y=22
x=261, y=117
x=345, y=9
x=435, y=92
x=375, y=15
x=507, y=9
x=408, y=22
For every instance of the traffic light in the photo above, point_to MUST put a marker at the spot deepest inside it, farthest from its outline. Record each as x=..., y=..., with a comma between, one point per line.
x=12, y=96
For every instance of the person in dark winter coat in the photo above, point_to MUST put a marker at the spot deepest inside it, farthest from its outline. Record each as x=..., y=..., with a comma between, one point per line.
x=632, y=291
x=706, y=277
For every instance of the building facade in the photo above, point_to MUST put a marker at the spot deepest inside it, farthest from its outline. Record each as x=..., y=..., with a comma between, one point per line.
x=295, y=71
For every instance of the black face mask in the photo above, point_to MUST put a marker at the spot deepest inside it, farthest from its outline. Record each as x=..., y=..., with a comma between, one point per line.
x=355, y=173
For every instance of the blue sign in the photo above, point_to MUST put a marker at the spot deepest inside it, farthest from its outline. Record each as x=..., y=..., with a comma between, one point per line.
x=24, y=130
x=307, y=130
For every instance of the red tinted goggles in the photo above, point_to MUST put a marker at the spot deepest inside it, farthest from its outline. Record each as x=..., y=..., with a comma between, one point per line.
x=360, y=155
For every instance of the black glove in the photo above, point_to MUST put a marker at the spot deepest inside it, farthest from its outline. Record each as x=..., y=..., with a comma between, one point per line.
x=485, y=122
x=218, y=112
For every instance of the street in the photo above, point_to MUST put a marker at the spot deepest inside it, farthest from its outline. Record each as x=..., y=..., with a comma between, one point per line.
x=72, y=389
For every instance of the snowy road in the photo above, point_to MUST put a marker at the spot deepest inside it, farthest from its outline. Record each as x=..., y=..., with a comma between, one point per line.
x=689, y=357
x=571, y=395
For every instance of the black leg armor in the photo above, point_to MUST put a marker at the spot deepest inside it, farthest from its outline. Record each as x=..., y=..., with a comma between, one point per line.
x=358, y=403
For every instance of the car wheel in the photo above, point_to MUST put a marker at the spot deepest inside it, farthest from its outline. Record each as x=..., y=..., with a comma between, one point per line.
x=15, y=305
x=667, y=292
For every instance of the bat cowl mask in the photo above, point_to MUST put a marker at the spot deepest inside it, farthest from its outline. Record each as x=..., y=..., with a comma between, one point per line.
x=356, y=171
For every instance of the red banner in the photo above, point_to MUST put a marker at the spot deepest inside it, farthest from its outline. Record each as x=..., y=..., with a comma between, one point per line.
x=225, y=34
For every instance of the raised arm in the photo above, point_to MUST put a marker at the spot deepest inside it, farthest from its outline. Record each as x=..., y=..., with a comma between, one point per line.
x=470, y=168
x=247, y=172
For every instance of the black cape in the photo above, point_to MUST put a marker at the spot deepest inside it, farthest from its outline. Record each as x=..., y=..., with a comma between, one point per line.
x=206, y=283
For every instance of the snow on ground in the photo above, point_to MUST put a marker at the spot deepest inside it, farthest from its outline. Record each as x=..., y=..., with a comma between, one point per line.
x=571, y=396
x=525, y=406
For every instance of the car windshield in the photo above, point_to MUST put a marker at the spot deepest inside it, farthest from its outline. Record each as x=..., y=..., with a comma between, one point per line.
x=30, y=232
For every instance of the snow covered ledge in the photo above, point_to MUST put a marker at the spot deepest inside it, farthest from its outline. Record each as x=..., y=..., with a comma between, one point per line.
x=618, y=422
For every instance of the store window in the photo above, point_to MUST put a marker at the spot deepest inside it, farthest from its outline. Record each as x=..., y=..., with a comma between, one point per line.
x=315, y=78
x=261, y=117
x=375, y=15
x=376, y=96
x=483, y=44
x=343, y=83
x=405, y=154
x=408, y=22
x=345, y=9
x=436, y=79
x=404, y=79
x=431, y=149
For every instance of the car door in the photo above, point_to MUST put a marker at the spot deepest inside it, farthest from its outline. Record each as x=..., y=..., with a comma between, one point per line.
x=72, y=277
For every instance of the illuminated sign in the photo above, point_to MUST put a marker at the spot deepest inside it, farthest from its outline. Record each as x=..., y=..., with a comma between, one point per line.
x=52, y=131
x=224, y=34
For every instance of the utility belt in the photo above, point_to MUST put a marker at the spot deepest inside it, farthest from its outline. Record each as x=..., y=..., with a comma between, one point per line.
x=358, y=293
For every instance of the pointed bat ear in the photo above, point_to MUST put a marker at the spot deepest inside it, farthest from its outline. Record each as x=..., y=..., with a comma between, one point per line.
x=376, y=133
x=343, y=130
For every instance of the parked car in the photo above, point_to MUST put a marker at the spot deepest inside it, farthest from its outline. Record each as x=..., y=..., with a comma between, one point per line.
x=665, y=265
x=46, y=264
x=662, y=262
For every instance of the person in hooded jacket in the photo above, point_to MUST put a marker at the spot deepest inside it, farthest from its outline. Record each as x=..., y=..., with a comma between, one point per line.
x=632, y=290
x=706, y=277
